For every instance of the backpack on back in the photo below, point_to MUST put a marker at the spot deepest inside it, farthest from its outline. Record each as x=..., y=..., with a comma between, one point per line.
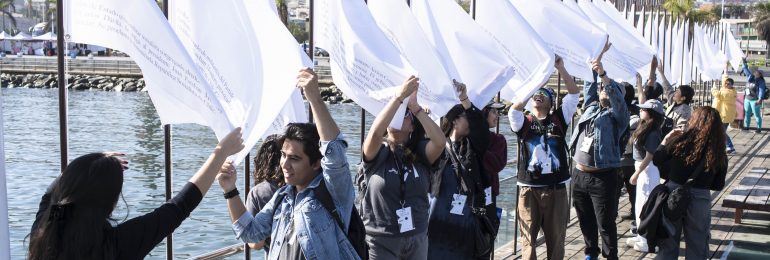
x=356, y=232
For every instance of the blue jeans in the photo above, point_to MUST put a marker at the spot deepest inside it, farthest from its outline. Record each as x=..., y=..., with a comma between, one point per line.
x=751, y=107
x=727, y=138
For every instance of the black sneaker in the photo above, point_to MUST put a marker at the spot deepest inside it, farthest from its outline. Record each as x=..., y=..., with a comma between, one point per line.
x=759, y=131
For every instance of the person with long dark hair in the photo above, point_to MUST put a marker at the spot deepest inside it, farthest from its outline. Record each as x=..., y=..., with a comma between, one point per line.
x=700, y=148
x=463, y=214
x=267, y=179
x=645, y=141
x=396, y=176
x=76, y=223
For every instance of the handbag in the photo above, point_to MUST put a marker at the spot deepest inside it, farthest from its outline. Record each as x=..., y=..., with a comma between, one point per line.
x=679, y=198
x=484, y=234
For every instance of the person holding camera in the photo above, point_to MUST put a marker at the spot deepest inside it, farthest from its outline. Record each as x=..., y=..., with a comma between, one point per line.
x=544, y=167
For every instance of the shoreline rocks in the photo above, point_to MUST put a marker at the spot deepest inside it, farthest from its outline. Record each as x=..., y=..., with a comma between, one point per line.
x=329, y=93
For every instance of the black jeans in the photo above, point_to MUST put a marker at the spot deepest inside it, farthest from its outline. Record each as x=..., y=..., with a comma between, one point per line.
x=594, y=196
x=625, y=173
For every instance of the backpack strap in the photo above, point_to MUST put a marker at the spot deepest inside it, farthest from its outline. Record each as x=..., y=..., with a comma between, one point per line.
x=323, y=196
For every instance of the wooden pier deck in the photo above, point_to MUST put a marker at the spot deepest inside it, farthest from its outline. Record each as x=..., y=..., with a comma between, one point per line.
x=728, y=240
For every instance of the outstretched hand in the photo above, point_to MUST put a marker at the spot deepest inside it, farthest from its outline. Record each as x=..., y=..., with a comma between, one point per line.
x=307, y=80
x=227, y=176
x=461, y=89
x=558, y=63
x=410, y=86
x=118, y=155
x=232, y=142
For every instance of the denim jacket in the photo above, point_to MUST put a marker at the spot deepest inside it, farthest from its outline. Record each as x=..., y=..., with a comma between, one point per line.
x=610, y=123
x=756, y=86
x=316, y=231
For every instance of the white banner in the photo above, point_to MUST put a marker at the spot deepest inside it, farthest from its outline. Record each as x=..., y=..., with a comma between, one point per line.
x=467, y=50
x=732, y=49
x=436, y=89
x=629, y=53
x=568, y=34
x=294, y=110
x=365, y=65
x=708, y=59
x=664, y=47
x=176, y=86
x=532, y=59
x=196, y=23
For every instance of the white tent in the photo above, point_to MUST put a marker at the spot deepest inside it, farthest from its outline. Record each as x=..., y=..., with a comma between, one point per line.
x=49, y=36
x=21, y=37
x=4, y=36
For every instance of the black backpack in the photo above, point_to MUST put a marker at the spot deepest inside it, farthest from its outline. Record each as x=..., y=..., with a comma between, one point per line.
x=356, y=231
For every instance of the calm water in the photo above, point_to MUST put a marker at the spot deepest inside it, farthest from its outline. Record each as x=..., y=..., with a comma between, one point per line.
x=127, y=122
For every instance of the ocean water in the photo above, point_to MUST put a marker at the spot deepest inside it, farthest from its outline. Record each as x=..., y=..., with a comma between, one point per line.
x=127, y=122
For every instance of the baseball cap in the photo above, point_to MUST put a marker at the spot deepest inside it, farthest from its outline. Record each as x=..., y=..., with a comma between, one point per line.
x=654, y=105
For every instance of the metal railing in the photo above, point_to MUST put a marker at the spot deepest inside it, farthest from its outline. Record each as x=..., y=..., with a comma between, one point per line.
x=108, y=66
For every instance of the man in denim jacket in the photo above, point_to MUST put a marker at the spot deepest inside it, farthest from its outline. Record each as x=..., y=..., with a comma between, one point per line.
x=596, y=148
x=300, y=227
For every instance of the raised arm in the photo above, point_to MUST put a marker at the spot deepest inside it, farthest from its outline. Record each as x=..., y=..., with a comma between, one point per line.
x=308, y=82
x=380, y=125
x=462, y=94
x=747, y=72
x=229, y=145
x=569, y=81
x=437, y=139
x=641, y=97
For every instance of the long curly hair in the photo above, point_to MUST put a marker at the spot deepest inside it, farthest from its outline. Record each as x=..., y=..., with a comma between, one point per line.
x=646, y=126
x=267, y=165
x=703, y=139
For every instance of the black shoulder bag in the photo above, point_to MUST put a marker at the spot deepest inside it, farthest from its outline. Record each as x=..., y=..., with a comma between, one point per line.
x=679, y=198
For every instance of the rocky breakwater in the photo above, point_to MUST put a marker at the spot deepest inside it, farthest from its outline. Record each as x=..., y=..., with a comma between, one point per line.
x=333, y=95
x=74, y=82
x=329, y=93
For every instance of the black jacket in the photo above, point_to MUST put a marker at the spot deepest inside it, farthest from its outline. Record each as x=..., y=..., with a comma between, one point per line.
x=653, y=224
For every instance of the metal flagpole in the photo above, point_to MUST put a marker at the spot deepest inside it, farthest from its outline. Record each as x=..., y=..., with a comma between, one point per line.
x=62, y=82
x=167, y=165
x=246, y=188
x=311, y=49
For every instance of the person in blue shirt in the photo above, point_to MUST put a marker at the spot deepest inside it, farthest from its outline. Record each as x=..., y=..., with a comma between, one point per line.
x=755, y=93
x=312, y=158
x=596, y=148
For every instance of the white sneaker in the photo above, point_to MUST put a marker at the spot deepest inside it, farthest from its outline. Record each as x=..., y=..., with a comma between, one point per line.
x=642, y=247
x=631, y=241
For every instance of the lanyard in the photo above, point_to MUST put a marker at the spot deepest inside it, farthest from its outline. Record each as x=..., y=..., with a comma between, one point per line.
x=401, y=176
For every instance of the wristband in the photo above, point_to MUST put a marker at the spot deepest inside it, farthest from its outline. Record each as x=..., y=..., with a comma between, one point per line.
x=604, y=73
x=231, y=194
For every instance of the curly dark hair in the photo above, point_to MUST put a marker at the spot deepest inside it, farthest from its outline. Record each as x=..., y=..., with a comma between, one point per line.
x=703, y=139
x=267, y=165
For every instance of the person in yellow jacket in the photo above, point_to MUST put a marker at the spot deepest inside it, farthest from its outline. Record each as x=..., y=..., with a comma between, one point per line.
x=724, y=102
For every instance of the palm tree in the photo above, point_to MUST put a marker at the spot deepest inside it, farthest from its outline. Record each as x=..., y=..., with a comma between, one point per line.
x=283, y=11
x=761, y=12
x=7, y=8
x=685, y=9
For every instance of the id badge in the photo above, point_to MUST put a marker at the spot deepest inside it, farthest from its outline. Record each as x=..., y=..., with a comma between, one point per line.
x=488, y=196
x=405, y=219
x=587, y=143
x=458, y=203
